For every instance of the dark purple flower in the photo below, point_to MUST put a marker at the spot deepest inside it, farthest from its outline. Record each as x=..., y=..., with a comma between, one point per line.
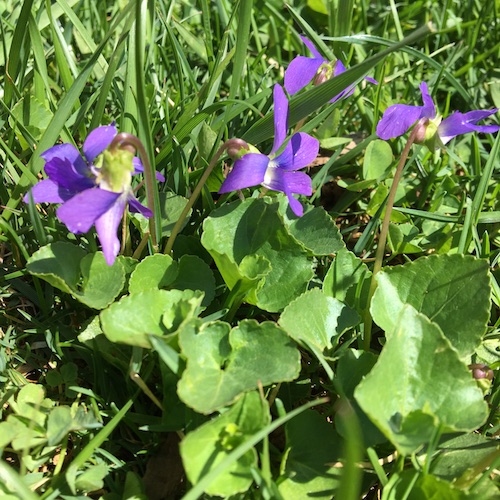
x=302, y=70
x=93, y=190
x=279, y=173
x=399, y=118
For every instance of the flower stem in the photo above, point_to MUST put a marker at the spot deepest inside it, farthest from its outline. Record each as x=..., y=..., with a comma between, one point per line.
x=382, y=239
x=122, y=140
x=231, y=143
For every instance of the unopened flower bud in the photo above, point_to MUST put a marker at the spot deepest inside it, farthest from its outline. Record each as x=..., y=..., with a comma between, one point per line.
x=421, y=130
x=236, y=148
x=480, y=370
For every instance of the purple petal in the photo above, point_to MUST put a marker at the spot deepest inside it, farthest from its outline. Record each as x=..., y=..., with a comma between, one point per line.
x=463, y=123
x=285, y=181
x=280, y=117
x=48, y=191
x=139, y=169
x=300, y=72
x=295, y=205
x=339, y=68
x=429, y=109
x=98, y=140
x=107, y=227
x=312, y=48
x=397, y=120
x=64, y=173
x=69, y=152
x=137, y=207
x=248, y=171
x=80, y=212
x=300, y=151
x=371, y=80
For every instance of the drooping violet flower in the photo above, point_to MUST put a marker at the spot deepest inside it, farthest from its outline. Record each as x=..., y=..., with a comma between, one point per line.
x=94, y=190
x=279, y=173
x=436, y=132
x=302, y=70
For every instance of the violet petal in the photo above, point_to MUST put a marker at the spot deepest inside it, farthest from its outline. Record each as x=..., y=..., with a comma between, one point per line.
x=300, y=72
x=311, y=47
x=98, y=140
x=248, y=171
x=280, y=117
x=397, y=119
x=463, y=123
x=48, y=191
x=295, y=205
x=429, y=108
x=80, y=212
x=64, y=173
x=300, y=151
x=107, y=227
x=69, y=152
x=137, y=207
x=286, y=181
x=139, y=169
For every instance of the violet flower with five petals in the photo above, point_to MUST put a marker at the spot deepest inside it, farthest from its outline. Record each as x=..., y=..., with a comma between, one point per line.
x=302, y=70
x=279, y=173
x=399, y=118
x=94, y=190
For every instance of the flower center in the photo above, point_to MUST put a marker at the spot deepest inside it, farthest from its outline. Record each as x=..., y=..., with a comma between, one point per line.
x=116, y=170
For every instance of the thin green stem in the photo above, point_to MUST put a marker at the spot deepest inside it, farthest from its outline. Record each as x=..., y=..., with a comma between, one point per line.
x=379, y=255
x=122, y=140
x=232, y=145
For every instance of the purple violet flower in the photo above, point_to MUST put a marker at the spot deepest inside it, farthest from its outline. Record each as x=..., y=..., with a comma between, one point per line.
x=302, y=70
x=279, y=173
x=399, y=118
x=94, y=190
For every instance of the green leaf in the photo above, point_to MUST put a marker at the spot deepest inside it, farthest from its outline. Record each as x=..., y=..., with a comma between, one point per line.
x=314, y=447
x=58, y=264
x=195, y=274
x=458, y=454
x=315, y=230
x=59, y=424
x=154, y=271
x=206, y=447
x=223, y=362
x=400, y=239
x=419, y=384
x=348, y=280
x=154, y=312
x=254, y=228
x=86, y=277
x=314, y=318
x=413, y=485
x=171, y=207
x=92, y=479
x=377, y=161
x=452, y=290
x=352, y=367
x=101, y=283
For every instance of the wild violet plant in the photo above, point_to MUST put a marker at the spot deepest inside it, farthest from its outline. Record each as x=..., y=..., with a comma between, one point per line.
x=255, y=316
x=93, y=190
x=303, y=70
x=279, y=172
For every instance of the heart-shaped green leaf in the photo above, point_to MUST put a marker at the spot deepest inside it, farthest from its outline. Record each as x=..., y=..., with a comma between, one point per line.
x=452, y=290
x=314, y=318
x=426, y=385
x=254, y=228
x=154, y=312
x=86, y=277
x=205, y=448
x=223, y=362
